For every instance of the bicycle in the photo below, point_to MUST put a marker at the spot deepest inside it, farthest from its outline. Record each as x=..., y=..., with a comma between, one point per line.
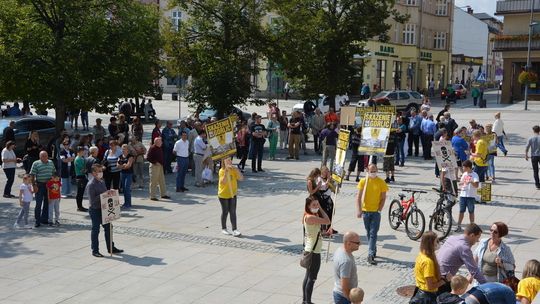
x=406, y=211
x=440, y=220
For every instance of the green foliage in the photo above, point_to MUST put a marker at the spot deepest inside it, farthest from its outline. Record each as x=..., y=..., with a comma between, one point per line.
x=218, y=46
x=315, y=40
x=73, y=54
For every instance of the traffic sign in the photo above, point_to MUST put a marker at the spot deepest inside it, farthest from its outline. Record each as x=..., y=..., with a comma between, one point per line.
x=481, y=77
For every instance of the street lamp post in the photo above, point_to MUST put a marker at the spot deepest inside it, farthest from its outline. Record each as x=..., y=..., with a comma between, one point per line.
x=527, y=67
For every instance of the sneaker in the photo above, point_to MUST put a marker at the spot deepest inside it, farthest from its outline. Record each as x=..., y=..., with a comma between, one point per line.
x=28, y=226
x=371, y=260
x=16, y=226
x=260, y=170
x=236, y=233
x=387, y=180
x=166, y=197
x=57, y=223
x=392, y=179
x=458, y=229
x=226, y=232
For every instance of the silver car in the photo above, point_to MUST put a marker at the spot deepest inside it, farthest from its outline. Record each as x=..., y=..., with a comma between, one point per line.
x=403, y=100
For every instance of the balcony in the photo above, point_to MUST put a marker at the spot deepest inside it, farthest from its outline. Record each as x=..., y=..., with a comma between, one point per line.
x=516, y=43
x=516, y=6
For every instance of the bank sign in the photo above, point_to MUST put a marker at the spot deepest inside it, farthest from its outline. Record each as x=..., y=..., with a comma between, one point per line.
x=386, y=51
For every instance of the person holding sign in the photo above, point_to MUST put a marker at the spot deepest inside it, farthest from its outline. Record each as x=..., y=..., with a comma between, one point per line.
x=95, y=188
x=370, y=202
x=227, y=191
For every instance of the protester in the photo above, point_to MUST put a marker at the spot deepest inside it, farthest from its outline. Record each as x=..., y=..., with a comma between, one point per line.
x=42, y=171
x=80, y=175
x=456, y=251
x=25, y=198
x=480, y=156
x=426, y=105
x=498, y=128
x=329, y=138
x=123, y=129
x=137, y=128
x=112, y=173
x=312, y=220
x=32, y=148
x=529, y=286
x=283, y=130
x=314, y=183
x=491, y=139
x=227, y=195
x=53, y=193
x=90, y=161
x=494, y=257
x=459, y=285
x=200, y=147
x=125, y=164
x=326, y=190
x=66, y=157
x=157, y=177
x=258, y=134
x=388, y=158
x=156, y=132
x=441, y=113
x=113, y=128
x=460, y=146
x=356, y=159
x=345, y=273
x=533, y=144
x=317, y=125
x=428, y=129
x=139, y=151
x=9, y=132
x=242, y=145
x=427, y=273
x=401, y=134
x=469, y=185
x=197, y=126
x=98, y=130
x=95, y=188
x=272, y=128
x=490, y=293
x=414, y=133
x=169, y=138
x=9, y=164
x=181, y=150
x=370, y=201
x=295, y=135
x=331, y=116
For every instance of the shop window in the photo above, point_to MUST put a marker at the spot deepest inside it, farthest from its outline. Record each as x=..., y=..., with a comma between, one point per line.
x=381, y=73
x=396, y=74
x=430, y=74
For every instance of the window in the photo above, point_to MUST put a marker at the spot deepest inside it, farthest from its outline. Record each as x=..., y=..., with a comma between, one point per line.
x=442, y=8
x=410, y=2
x=403, y=95
x=439, y=41
x=176, y=19
x=381, y=73
x=392, y=96
x=430, y=74
x=396, y=75
x=409, y=34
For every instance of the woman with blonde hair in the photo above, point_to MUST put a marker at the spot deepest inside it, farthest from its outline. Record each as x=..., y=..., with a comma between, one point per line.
x=426, y=271
x=325, y=193
x=529, y=285
x=313, y=182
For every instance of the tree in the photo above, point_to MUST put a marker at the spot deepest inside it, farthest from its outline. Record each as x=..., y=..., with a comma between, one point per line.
x=77, y=54
x=316, y=40
x=218, y=46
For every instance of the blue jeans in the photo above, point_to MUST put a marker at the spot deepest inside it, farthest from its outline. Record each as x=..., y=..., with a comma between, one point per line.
x=10, y=175
x=42, y=200
x=466, y=203
x=95, y=216
x=491, y=165
x=372, y=222
x=497, y=293
x=125, y=181
x=500, y=144
x=400, y=152
x=481, y=171
x=339, y=299
x=66, y=186
x=182, y=163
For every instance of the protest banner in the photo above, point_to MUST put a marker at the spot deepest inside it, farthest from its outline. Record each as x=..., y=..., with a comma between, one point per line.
x=386, y=109
x=341, y=151
x=484, y=191
x=220, y=135
x=359, y=117
x=375, y=132
x=110, y=206
x=347, y=117
x=445, y=155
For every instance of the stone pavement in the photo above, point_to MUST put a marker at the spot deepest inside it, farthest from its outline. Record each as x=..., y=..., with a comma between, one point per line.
x=175, y=252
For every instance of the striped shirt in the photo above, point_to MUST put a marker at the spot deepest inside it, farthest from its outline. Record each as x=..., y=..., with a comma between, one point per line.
x=112, y=160
x=42, y=171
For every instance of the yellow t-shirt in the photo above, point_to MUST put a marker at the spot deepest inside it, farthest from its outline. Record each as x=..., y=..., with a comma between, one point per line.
x=424, y=267
x=482, y=150
x=372, y=197
x=224, y=190
x=528, y=288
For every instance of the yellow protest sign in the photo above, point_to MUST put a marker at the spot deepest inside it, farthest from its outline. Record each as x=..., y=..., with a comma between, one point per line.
x=386, y=109
x=484, y=191
x=375, y=133
x=220, y=136
x=341, y=151
x=360, y=111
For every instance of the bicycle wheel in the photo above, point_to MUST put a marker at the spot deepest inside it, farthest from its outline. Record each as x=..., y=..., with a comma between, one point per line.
x=441, y=223
x=394, y=214
x=415, y=224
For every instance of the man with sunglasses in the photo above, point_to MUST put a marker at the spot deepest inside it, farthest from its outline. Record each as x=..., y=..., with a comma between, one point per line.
x=345, y=274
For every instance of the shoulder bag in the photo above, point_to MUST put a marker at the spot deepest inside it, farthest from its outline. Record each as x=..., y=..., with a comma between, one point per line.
x=305, y=261
x=509, y=280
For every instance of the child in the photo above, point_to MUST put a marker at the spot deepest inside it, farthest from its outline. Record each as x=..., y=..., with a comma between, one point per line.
x=459, y=286
x=53, y=191
x=469, y=186
x=356, y=295
x=25, y=197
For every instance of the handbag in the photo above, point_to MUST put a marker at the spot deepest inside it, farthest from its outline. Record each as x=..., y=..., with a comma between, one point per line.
x=305, y=261
x=510, y=279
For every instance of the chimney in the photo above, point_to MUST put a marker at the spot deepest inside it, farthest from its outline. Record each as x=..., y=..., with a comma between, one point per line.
x=470, y=10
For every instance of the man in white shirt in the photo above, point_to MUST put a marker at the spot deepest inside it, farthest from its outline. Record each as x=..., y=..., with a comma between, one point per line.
x=181, y=150
x=199, y=148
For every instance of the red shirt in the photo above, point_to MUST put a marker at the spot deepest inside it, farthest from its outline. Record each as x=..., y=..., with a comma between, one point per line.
x=54, y=189
x=331, y=117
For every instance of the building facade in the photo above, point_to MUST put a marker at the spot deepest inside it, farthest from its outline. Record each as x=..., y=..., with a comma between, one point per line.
x=513, y=45
x=494, y=64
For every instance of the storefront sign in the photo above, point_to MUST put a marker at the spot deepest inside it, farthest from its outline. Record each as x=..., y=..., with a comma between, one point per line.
x=386, y=51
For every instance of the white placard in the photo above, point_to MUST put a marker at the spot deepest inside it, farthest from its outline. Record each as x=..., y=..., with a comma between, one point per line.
x=445, y=155
x=110, y=206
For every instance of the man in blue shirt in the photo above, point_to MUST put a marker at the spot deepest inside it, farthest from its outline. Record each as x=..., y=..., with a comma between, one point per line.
x=169, y=138
x=460, y=145
x=414, y=133
x=428, y=128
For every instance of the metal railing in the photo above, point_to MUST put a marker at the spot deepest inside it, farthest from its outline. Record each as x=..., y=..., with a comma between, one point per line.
x=516, y=6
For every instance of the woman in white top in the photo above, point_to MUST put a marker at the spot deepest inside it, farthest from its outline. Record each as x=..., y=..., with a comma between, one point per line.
x=498, y=128
x=9, y=163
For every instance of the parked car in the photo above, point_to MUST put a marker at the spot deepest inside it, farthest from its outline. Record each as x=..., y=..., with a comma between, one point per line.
x=209, y=113
x=461, y=91
x=45, y=126
x=323, y=103
x=403, y=100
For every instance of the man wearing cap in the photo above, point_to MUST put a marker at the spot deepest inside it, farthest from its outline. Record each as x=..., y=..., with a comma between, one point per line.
x=258, y=133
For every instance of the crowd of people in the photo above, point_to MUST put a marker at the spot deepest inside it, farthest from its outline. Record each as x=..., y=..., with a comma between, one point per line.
x=113, y=158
